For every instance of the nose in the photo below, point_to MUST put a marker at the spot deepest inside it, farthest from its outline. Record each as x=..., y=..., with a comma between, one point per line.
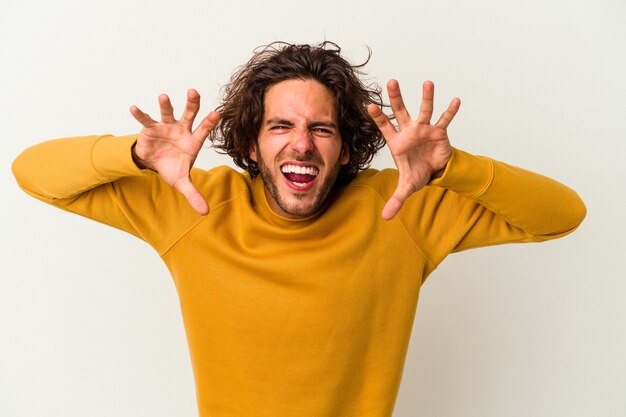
x=302, y=141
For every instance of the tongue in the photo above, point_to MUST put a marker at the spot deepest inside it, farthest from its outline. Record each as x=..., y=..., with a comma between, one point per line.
x=301, y=178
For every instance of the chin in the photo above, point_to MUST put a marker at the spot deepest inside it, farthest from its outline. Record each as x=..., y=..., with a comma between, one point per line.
x=300, y=208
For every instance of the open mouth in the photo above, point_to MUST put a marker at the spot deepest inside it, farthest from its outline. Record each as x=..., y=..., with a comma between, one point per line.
x=299, y=176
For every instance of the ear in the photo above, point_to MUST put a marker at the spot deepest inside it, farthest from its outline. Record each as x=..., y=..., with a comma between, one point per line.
x=252, y=151
x=344, y=156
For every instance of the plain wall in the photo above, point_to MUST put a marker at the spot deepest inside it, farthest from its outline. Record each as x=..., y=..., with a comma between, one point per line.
x=89, y=319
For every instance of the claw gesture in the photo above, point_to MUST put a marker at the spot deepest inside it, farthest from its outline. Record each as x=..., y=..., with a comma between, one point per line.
x=420, y=150
x=170, y=147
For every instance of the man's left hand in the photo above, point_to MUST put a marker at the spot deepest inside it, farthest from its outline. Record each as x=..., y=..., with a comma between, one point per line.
x=419, y=149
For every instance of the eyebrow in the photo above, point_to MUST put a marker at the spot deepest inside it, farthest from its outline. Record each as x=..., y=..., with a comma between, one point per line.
x=311, y=125
x=322, y=124
x=277, y=121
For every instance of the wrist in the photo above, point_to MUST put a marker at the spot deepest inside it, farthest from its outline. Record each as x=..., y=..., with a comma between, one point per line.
x=141, y=164
x=438, y=174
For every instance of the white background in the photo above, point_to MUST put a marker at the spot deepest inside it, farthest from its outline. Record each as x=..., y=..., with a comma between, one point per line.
x=89, y=318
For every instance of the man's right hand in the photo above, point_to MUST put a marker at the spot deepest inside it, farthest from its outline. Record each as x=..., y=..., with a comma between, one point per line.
x=170, y=147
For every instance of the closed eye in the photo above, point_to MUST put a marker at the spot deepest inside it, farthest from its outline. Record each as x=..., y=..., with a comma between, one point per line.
x=322, y=132
x=278, y=124
x=323, y=129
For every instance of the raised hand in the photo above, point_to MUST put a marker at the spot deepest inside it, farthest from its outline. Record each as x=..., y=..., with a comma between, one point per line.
x=170, y=147
x=419, y=149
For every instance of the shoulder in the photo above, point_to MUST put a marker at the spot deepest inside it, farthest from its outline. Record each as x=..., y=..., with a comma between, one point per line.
x=221, y=184
x=383, y=182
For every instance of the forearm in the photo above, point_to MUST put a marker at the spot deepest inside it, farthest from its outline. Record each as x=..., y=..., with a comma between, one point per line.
x=64, y=168
x=96, y=177
x=534, y=203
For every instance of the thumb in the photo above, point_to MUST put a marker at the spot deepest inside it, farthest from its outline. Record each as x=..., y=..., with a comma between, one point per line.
x=395, y=202
x=193, y=196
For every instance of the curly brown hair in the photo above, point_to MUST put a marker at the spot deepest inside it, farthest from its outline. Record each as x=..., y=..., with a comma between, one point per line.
x=243, y=102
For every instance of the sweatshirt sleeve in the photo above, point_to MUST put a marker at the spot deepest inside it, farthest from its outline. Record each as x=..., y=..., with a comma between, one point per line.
x=479, y=201
x=95, y=176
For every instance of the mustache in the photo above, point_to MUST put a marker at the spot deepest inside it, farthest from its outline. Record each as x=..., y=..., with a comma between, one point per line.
x=307, y=157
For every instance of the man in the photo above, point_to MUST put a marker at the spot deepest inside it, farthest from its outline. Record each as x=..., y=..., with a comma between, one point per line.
x=298, y=279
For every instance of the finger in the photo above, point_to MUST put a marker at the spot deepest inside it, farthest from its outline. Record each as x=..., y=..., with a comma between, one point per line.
x=395, y=202
x=426, y=108
x=167, y=111
x=191, y=108
x=207, y=124
x=448, y=115
x=397, y=103
x=141, y=117
x=193, y=196
x=382, y=121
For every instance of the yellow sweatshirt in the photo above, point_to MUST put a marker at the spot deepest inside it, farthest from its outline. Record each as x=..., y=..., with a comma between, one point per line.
x=308, y=317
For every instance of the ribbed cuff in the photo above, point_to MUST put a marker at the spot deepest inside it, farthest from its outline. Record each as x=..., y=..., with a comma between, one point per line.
x=111, y=156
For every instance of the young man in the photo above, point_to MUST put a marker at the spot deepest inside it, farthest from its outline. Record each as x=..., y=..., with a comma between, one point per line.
x=298, y=279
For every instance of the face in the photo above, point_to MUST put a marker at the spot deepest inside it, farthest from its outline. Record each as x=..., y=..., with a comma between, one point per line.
x=299, y=149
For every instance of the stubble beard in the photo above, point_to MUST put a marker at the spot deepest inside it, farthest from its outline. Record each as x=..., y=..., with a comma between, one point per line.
x=297, y=210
